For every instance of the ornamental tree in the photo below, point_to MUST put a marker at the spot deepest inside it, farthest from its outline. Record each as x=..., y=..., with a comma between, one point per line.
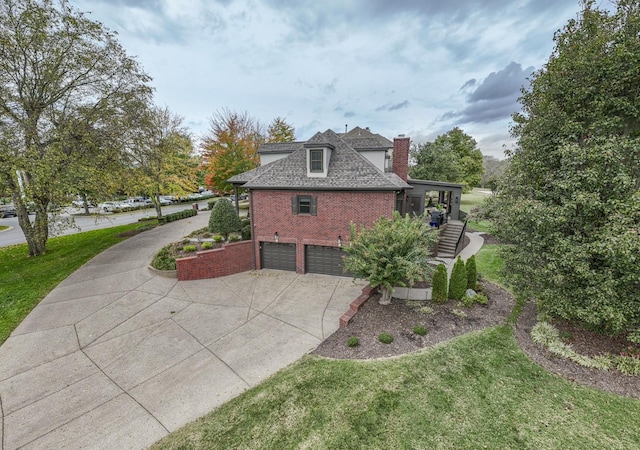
x=223, y=218
x=569, y=203
x=392, y=252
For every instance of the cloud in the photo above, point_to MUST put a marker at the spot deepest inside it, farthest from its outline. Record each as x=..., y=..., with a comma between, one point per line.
x=495, y=98
x=393, y=107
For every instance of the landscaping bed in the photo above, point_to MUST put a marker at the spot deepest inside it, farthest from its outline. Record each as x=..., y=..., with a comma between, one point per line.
x=446, y=321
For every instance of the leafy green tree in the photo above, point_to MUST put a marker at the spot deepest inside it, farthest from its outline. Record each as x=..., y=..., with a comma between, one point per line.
x=458, y=282
x=230, y=147
x=453, y=157
x=57, y=68
x=440, y=284
x=160, y=157
x=569, y=203
x=472, y=272
x=280, y=131
x=390, y=252
x=223, y=218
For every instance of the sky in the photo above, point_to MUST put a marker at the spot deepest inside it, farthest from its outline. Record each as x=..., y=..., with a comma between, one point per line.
x=412, y=67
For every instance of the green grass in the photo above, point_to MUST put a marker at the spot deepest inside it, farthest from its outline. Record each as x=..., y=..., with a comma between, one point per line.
x=489, y=264
x=479, y=225
x=477, y=391
x=24, y=281
x=4, y=227
x=471, y=199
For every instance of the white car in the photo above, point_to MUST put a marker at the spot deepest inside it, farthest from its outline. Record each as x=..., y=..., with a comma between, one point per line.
x=114, y=206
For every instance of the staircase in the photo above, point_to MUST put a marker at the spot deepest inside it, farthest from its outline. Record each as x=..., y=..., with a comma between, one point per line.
x=449, y=239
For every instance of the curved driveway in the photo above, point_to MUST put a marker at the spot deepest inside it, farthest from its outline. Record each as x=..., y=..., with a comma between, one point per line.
x=117, y=357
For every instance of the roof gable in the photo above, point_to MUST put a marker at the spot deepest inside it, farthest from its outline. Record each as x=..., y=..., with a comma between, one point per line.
x=347, y=170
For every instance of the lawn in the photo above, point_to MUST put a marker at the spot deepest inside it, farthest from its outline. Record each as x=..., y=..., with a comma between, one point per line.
x=24, y=281
x=473, y=198
x=477, y=391
x=489, y=264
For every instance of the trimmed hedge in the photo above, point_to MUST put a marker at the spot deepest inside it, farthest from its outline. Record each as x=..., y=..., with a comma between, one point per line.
x=177, y=216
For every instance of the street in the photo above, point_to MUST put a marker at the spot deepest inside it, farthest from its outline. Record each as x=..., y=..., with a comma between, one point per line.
x=86, y=223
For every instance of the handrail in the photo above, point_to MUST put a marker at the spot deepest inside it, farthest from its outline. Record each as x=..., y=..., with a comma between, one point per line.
x=461, y=238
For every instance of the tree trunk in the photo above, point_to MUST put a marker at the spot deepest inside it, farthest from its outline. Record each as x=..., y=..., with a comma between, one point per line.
x=157, y=205
x=385, y=295
x=36, y=233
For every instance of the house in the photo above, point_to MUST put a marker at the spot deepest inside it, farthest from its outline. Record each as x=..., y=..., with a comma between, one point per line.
x=305, y=195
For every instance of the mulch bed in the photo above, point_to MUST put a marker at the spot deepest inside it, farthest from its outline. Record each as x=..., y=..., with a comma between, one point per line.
x=444, y=322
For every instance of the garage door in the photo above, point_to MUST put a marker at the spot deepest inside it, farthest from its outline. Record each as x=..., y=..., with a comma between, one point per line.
x=327, y=260
x=278, y=256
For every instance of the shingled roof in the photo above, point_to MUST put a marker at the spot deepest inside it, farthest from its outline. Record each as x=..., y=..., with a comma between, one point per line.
x=348, y=170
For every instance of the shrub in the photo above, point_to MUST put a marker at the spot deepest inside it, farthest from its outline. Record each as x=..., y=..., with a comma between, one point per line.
x=186, y=241
x=385, y=338
x=481, y=299
x=177, y=216
x=458, y=282
x=217, y=238
x=472, y=273
x=164, y=260
x=190, y=248
x=224, y=219
x=420, y=330
x=353, y=342
x=439, y=284
x=234, y=238
x=207, y=245
x=245, y=229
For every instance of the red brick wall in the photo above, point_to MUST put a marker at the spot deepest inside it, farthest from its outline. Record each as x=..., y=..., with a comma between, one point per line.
x=336, y=210
x=231, y=258
x=401, y=157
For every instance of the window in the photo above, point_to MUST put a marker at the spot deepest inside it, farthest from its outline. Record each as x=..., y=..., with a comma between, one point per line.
x=315, y=161
x=304, y=205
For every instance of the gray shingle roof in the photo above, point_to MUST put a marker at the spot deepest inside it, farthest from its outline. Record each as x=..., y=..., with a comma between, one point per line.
x=348, y=170
x=279, y=147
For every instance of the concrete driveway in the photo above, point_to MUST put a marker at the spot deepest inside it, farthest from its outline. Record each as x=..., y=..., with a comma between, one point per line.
x=117, y=357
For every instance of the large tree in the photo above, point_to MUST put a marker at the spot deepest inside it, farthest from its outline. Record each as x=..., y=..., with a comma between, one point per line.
x=230, y=147
x=569, y=202
x=391, y=252
x=57, y=69
x=452, y=157
x=280, y=131
x=160, y=156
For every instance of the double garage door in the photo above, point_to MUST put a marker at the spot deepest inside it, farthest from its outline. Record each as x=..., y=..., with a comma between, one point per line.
x=318, y=259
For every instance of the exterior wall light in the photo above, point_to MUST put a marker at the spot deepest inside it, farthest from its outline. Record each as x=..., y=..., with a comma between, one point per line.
x=339, y=241
x=275, y=237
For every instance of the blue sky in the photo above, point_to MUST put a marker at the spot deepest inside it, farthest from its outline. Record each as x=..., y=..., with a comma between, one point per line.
x=413, y=67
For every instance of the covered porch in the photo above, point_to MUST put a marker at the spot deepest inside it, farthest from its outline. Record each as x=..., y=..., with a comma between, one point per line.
x=447, y=195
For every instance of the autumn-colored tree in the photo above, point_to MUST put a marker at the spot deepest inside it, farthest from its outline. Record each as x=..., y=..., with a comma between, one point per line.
x=230, y=147
x=161, y=156
x=281, y=131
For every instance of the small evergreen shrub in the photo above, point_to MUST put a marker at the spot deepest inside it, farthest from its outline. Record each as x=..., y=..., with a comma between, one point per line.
x=472, y=273
x=481, y=299
x=234, y=238
x=207, y=245
x=178, y=215
x=217, y=238
x=385, y=338
x=164, y=260
x=186, y=241
x=439, y=284
x=223, y=219
x=353, y=342
x=245, y=229
x=420, y=330
x=190, y=248
x=458, y=282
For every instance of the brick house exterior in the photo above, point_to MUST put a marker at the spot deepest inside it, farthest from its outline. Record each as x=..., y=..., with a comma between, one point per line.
x=306, y=194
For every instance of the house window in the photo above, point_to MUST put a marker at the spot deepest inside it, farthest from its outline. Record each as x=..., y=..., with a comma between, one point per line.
x=304, y=205
x=315, y=161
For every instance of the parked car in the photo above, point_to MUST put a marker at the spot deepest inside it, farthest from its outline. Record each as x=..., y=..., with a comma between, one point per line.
x=194, y=196
x=170, y=198
x=114, y=206
x=164, y=201
x=80, y=203
x=7, y=211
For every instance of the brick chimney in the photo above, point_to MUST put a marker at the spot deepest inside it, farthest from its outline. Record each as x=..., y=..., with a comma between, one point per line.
x=401, y=156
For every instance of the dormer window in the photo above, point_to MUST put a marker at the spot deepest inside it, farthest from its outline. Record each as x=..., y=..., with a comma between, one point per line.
x=316, y=161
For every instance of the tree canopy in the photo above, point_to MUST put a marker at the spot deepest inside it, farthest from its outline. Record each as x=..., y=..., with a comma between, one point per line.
x=63, y=78
x=391, y=252
x=160, y=156
x=452, y=157
x=569, y=202
x=230, y=147
x=280, y=131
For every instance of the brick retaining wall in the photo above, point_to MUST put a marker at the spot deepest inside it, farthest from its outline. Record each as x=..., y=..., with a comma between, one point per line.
x=231, y=258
